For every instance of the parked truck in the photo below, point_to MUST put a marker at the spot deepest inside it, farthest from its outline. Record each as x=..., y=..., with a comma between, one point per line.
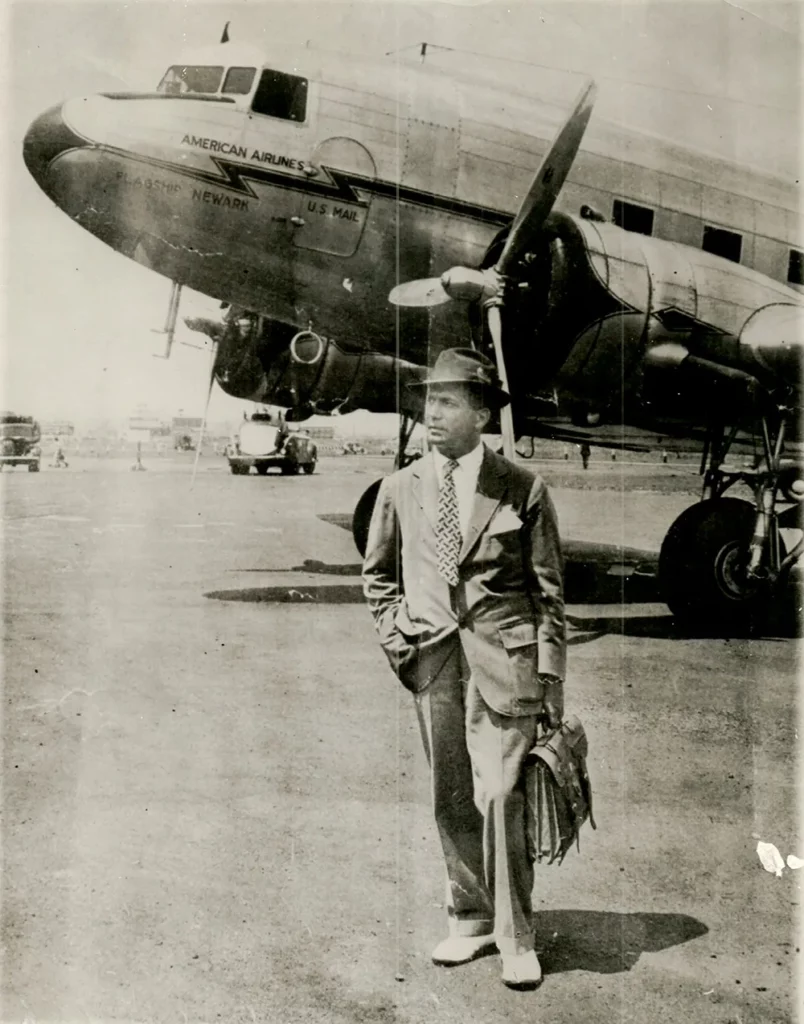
x=19, y=441
x=266, y=443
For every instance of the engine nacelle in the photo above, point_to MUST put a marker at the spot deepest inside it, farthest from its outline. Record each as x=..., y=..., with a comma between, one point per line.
x=603, y=300
x=329, y=378
x=275, y=364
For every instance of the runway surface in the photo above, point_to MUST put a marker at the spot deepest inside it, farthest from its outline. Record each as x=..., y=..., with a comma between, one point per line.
x=215, y=802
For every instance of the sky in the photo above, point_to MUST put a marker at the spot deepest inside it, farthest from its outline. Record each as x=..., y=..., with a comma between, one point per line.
x=77, y=321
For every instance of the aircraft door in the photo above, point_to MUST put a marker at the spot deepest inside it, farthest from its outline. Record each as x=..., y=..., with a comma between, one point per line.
x=334, y=209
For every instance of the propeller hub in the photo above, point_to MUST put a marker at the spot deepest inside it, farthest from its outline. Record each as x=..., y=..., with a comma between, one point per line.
x=468, y=285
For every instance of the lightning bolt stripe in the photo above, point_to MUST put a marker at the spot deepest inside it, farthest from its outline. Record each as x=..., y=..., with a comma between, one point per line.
x=340, y=186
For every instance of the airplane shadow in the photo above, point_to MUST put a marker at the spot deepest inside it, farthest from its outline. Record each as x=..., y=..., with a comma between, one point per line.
x=299, y=593
x=602, y=576
x=607, y=942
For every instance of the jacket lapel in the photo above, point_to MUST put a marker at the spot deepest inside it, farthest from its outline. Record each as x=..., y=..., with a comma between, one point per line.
x=425, y=488
x=492, y=484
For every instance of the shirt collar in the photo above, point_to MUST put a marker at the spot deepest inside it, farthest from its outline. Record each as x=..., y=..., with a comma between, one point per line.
x=469, y=463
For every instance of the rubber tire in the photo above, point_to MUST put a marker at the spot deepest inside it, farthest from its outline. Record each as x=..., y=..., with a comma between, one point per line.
x=262, y=470
x=700, y=544
x=362, y=516
x=309, y=468
x=33, y=467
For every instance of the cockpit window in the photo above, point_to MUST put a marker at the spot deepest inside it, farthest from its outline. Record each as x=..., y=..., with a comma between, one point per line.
x=238, y=81
x=180, y=80
x=281, y=95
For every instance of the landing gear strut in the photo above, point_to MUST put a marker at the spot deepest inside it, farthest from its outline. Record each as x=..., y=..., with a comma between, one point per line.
x=722, y=558
x=364, y=508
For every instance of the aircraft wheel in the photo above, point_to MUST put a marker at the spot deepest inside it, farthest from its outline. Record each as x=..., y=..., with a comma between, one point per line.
x=362, y=516
x=702, y=566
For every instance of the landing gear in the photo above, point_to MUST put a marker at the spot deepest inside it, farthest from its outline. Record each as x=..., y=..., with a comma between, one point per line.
x=723, y=558
x=361, y=518
x=703, y=566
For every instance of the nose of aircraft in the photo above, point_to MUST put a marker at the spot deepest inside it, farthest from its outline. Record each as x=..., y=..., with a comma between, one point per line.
x=47, y=138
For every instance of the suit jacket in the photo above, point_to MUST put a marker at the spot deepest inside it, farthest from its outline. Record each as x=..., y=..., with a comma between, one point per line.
x=508, y=606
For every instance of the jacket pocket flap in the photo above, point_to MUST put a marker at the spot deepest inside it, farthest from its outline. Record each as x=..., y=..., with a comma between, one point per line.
x=520, y=635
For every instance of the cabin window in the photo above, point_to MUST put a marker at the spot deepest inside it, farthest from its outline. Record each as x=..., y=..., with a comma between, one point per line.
x=238, y=81
x=281, y=95
x=795, y=267
x=180, y=80
x=631, y=217
x=727, y=244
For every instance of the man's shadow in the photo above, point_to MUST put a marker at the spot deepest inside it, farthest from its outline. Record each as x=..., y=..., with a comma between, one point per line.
x=606, y=942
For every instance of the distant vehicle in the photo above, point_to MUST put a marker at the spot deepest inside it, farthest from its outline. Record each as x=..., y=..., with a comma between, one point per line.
x=265, y=444
x=19, y=441
x=352, y=448
x=184, y=443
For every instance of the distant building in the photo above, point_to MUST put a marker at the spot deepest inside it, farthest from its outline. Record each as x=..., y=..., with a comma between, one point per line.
x=57, y=428
x=318, y=431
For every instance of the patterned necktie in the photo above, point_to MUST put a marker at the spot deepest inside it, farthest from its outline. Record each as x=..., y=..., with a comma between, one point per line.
x=448, y=528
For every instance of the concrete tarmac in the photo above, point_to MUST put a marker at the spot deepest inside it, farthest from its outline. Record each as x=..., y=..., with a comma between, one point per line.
x=215, y=802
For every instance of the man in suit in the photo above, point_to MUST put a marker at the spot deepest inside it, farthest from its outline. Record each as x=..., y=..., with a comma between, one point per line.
x=463, y=575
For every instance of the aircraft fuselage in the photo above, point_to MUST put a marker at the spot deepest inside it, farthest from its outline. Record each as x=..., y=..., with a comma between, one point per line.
x=310, y=214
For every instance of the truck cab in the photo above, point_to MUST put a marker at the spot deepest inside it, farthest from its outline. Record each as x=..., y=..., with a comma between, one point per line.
x=19, y=441
x=265, y=442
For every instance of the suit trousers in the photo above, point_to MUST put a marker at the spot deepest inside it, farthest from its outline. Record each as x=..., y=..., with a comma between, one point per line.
x=475, y=756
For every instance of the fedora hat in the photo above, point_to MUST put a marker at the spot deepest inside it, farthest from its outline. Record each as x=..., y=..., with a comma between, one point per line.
x=466, y=366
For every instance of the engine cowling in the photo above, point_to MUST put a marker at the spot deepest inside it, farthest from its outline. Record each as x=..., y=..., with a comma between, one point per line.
x=601, y=306
x=273, y=363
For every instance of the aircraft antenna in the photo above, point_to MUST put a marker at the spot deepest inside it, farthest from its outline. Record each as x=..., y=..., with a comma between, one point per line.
x=225, y=33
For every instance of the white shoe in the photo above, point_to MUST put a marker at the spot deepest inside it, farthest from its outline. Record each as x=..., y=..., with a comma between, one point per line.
x=460, y=949
x=521, y=970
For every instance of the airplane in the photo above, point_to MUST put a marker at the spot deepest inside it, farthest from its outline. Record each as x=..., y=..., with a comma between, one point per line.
x=355, y=217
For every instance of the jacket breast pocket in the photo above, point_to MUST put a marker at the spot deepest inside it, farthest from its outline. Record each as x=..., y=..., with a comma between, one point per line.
x=521, y=651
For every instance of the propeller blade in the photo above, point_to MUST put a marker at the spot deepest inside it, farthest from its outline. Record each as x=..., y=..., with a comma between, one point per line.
x=206, y=411
x=426, y=291
x=548, y=180
x=494, y=320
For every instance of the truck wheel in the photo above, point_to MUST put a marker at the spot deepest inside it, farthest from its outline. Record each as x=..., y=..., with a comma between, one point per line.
x=33, y=467
x=262, y=470
x=309, y=468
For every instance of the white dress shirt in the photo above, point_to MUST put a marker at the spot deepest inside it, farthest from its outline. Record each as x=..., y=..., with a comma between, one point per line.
x=465, y=477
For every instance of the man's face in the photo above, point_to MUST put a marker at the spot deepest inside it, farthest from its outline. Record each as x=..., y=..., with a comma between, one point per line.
x=454, y=422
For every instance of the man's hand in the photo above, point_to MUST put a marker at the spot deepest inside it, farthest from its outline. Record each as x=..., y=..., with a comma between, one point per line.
x=553, y=700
